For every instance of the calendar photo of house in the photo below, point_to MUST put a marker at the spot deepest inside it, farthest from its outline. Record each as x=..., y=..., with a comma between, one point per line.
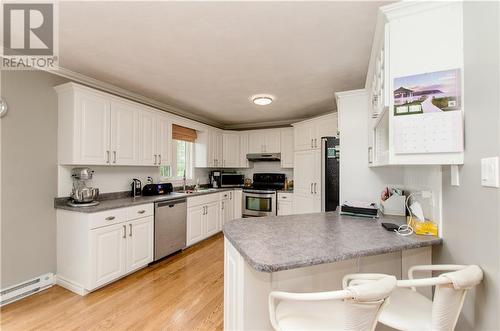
x=433, y=92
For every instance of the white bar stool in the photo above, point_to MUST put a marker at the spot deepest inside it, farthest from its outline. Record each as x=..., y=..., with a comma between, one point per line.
x=409, y=310
x=355, y=308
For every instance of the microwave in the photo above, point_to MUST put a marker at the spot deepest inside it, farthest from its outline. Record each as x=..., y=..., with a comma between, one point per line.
x=231, y=180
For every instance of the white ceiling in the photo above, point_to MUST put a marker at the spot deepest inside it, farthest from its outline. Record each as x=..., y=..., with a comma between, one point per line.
x=209, y=57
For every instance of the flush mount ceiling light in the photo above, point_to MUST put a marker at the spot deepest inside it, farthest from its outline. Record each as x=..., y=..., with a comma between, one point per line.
x=262, y=100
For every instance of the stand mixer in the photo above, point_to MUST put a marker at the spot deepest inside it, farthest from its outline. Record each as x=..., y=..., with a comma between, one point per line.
x=83, y=195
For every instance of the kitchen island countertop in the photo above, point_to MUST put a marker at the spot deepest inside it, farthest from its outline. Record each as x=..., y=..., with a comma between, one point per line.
x=270, y=244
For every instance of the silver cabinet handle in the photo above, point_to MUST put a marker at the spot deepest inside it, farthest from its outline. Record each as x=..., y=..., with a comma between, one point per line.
x=130, y=225
x=124, y=231
x=114, y=156
x=315, y=143
x=315, y=184
x=283, y=197
x=107, y=160
x=231, y=195
x=141, y=211
x=109, y=218
x=312, y=141
x=156, y=159
x=206, y=210
x=159, y=159
x=311, y=188
x=370, y=153
x=222, y=205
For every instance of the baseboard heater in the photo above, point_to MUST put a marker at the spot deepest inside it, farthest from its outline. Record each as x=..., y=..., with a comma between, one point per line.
x=25, y=289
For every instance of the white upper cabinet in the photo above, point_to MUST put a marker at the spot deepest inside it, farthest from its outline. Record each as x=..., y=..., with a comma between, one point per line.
x=96, y=128
x=163, y=140
x=243, y=150
x=398, y=26
x=148, y=138
x=264, y=141
x=231, y=150
x=256, y=142
x=308, y=134
x=287, y=148
x=125, y=138
x=84, y=127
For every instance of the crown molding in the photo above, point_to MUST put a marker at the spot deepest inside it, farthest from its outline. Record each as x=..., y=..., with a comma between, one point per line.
x=121, y=92
x=263, y=125
x=407, y=8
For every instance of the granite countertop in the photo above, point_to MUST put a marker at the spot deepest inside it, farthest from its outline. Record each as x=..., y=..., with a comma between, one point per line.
x=114, y=201
x=270, y=244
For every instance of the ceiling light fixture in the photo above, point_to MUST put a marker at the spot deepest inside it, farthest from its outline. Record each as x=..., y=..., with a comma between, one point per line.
x=262, y=100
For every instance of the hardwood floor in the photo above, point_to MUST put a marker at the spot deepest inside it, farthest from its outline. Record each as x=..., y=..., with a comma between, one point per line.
x=184, y=292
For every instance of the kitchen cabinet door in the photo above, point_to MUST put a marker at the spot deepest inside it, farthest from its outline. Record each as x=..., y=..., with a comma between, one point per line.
x=92, y=143
x=303, y=136
x=195, y=226
x=304, y=173
x=303, y=204
x=225, y=212
x=231, y=150
x=125, y=138
x=212, y=219
x=164, y=141
x=287, y=146
x=107, y=254
x=325, y=127
x=285, y=208
x=148, y=128
x=272, y=141
x=243, y=150
x=139, y=243
x=237, y=204
x=256, y=142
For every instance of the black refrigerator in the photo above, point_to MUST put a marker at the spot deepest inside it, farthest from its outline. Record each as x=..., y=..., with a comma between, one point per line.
x=330, y=161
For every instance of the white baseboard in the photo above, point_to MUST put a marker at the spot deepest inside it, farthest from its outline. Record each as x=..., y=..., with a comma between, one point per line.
x=75, y=288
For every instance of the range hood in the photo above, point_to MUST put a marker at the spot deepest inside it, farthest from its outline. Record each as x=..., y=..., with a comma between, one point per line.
x=264, y=157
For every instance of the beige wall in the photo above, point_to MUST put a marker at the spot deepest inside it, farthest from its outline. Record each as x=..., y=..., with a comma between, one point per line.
x=29, y=175
x=471, y=212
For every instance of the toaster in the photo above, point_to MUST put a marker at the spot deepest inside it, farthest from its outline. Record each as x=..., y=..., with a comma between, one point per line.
x=157, y=189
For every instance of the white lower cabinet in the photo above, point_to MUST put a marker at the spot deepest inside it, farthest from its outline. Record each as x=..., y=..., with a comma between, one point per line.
x=207, y=214
x=108, y=254
x=94, y=249
x=212, y=219
x=285, y=204
x=195, y=220
x=203, y=217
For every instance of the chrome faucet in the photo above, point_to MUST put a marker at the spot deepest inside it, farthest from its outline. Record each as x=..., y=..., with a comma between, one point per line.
x=184, y=181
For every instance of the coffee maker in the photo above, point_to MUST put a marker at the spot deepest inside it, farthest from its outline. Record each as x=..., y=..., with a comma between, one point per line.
x=82, y=194
x=215, y=177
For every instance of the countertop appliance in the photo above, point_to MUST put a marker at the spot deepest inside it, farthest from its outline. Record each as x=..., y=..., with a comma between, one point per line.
x=83, y=195
x=157, y=189
x=261, y=198
x=215, y=177
x=261, y=157
x=330, y=161
x=136, y=187
x=170, y=227
x=231, y=179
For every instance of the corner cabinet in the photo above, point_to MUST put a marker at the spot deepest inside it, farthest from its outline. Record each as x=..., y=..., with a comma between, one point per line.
x=97, y=128
x=94, y=249
x=308, y=134
x=398, y=26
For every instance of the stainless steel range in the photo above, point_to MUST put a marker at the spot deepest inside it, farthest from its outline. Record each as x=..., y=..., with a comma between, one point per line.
x=261, y=198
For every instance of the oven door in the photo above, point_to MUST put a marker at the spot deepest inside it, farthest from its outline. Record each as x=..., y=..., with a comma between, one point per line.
x=257, y=203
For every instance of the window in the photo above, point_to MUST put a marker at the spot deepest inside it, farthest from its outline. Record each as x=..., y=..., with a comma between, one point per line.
x=182, y=160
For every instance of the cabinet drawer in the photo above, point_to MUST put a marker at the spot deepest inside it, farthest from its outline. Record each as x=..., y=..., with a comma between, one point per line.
x=107, y=217
x=140, y=211
x=285, y=196
x=202, y=199
x=226, y=195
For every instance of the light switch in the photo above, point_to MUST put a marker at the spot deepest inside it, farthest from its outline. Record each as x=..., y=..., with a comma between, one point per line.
x=489, y=171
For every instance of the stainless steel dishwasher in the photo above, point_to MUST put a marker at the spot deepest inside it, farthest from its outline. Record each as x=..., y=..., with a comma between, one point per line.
x=170, y=227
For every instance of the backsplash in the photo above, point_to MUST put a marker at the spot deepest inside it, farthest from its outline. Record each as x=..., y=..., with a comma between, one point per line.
x=271, y=167
x=116, y=179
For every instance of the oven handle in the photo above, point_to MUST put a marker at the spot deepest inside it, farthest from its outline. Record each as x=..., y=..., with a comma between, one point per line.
x=257, y=195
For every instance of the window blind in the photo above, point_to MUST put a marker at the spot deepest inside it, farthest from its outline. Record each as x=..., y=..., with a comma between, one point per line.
x=183, y=133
